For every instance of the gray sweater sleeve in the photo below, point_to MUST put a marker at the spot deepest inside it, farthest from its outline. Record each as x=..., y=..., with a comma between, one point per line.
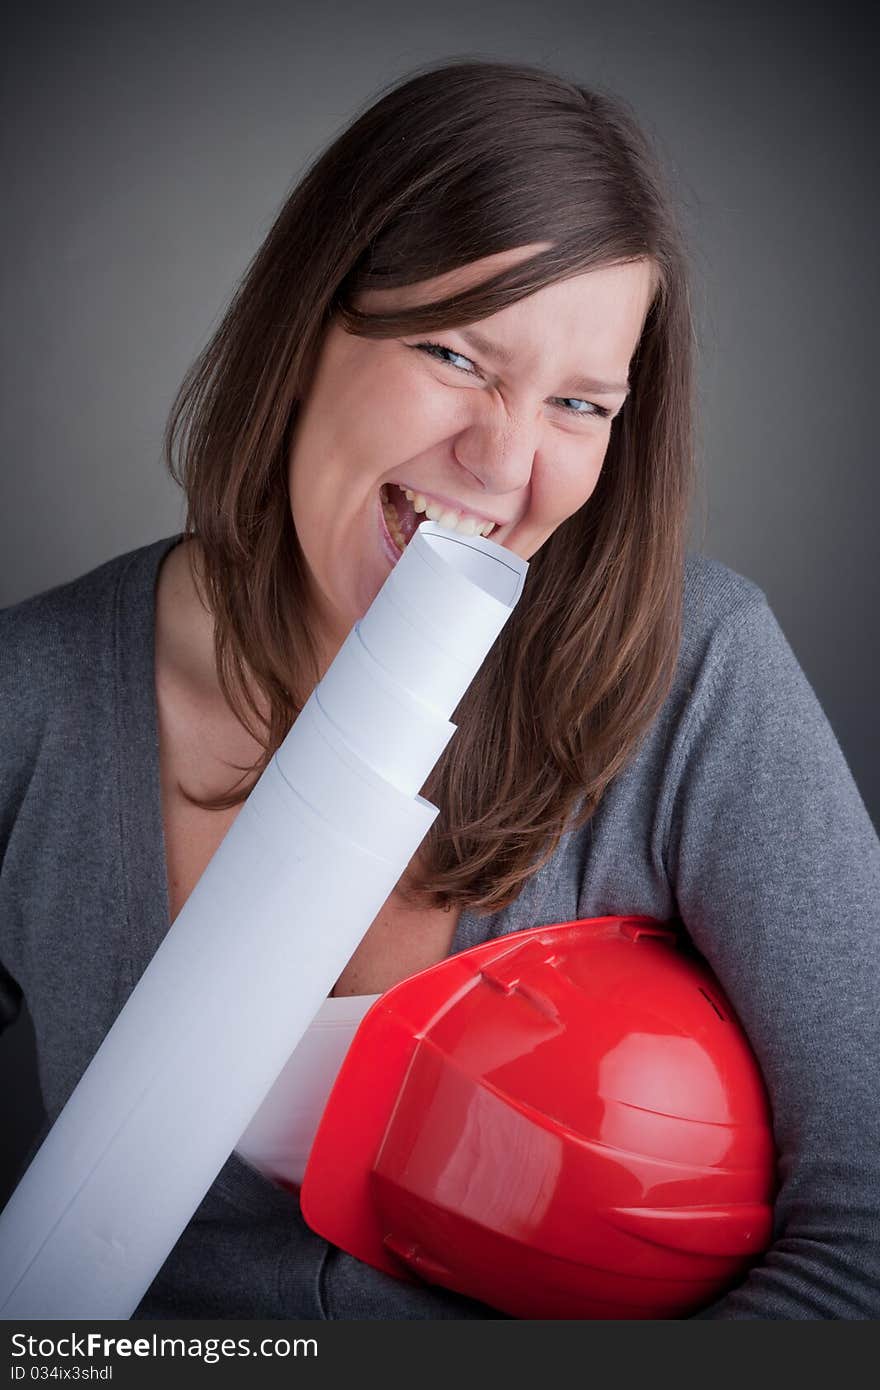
x=776, y=869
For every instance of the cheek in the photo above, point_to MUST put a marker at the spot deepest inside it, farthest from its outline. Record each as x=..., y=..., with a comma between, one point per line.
x=559, y=492
x=413, y=410
x=388, y=421
x=332, y=439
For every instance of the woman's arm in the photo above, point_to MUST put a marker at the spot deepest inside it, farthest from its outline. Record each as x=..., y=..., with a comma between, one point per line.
x=776, y=869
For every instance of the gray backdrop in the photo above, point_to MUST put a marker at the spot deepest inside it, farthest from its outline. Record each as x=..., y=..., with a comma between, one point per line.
x=147, y=148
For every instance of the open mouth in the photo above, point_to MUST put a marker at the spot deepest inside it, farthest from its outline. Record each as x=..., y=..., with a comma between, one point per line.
x=401, y=518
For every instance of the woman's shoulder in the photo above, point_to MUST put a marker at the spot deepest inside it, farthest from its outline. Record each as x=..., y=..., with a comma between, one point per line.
x=53, y=642
x=717, y=601
x=727, y=624
x=78, y=597
x=715, y=593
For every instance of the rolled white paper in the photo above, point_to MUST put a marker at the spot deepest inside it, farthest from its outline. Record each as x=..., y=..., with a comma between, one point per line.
x=383, y=723
x=314, y=852
x=279, y=1138
x=448, y=579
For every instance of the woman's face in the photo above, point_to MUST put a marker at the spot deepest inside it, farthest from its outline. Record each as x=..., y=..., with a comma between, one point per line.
x=517, y=438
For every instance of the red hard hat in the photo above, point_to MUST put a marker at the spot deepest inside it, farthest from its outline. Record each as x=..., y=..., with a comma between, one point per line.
x=565, y=1122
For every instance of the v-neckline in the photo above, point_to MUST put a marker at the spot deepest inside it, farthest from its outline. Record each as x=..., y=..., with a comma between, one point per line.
x=142, y=831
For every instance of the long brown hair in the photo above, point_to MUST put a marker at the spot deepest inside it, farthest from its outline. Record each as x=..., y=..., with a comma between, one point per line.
x=458, y=162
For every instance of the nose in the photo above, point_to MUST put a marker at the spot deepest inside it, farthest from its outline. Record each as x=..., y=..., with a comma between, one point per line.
x=499, y=452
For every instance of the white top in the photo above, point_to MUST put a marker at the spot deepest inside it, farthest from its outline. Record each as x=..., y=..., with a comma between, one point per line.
x=278, y=1139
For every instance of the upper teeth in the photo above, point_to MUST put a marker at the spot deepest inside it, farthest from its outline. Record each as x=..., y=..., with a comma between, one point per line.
x=454, y=521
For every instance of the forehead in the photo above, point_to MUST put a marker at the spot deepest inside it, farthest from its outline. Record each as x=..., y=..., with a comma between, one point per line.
x=464, y=277
x=623, y=289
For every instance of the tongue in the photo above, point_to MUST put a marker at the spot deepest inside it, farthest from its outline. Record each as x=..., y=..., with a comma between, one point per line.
x=407, y=516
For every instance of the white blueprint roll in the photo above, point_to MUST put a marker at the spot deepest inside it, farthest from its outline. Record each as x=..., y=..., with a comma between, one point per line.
x=279, y=1138
x=297, y=880
x=432, y=624
x=343, y=789
x=381, y=720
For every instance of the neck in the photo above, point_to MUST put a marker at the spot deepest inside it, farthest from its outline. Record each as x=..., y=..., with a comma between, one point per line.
x=185, y=631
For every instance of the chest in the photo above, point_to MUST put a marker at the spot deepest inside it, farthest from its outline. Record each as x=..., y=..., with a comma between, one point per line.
x=400, y=940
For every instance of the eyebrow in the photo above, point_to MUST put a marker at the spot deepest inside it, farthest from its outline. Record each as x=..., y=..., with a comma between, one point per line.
x=505, y=355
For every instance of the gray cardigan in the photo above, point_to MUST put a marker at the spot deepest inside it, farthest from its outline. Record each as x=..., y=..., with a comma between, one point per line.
x=738, y=817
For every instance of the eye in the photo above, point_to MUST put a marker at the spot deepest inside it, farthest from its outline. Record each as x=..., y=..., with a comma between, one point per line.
x=432, y=349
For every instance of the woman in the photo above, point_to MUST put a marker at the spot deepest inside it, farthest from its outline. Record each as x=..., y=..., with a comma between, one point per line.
x=477, y=300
